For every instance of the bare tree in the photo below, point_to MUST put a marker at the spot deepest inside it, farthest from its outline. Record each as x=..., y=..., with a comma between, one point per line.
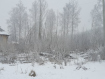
x=70, y=20
x=96, y=15
x=74, y=19
x=50, y=26
x=18, y=22
x=38, y=14
x=42, y=13
x=97, y=23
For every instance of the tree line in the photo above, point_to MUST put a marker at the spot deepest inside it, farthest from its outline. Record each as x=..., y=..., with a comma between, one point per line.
x=44, y=30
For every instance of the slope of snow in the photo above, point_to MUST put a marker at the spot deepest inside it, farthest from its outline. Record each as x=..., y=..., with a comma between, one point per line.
x=47, y=71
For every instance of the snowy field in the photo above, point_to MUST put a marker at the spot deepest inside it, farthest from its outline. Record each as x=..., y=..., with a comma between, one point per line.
x=95, y=70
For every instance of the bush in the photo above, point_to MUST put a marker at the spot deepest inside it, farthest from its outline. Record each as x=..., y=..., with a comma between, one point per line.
x=98, y=55
x=32, y=73
x=102, y=54
x=1, y=68
x=94, y=56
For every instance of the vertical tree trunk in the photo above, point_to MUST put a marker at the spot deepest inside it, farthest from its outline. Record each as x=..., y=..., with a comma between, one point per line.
x=104, y=24
x=40, y=21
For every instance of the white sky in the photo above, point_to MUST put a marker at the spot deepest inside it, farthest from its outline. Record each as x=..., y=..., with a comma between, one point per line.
x=85, y=5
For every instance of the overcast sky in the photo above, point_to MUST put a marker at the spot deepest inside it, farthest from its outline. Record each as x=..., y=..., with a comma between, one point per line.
x=85, y=5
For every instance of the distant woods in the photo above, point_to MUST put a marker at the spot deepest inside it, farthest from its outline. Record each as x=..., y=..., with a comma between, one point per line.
x=44, y=30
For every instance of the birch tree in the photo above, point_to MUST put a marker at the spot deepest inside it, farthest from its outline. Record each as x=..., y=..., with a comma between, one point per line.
x=42, y=14
x=70, y=20
x=18, y=22
x=97, y=23
x=50, y=26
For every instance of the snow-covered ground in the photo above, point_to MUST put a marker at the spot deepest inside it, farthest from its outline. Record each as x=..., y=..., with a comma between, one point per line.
x=95, y=70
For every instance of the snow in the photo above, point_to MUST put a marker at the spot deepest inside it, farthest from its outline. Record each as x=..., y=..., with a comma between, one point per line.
x=95, y=70
x=3, y=33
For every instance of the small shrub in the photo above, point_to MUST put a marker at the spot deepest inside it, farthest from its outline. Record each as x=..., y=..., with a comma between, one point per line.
x=94, y=56
x=32, y=73
x=61, y=67
x=102, y=54
x=54, y=66
x=84, y=68
x=41, y=63
x=1, y=68
x=81, y=67
x=51, y=59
